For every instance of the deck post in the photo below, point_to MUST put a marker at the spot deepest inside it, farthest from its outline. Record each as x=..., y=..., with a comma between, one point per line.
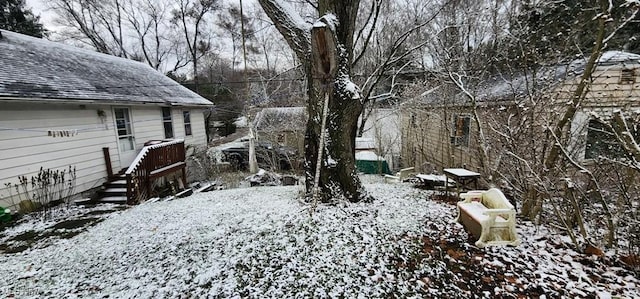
x=129, y=189
x=107, y=161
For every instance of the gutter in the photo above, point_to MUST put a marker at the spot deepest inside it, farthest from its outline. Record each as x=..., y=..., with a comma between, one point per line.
x=97, y=102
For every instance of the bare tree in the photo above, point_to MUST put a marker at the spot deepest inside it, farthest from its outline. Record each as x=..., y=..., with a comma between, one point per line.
x=134, y=29
x=528, y=112
x=230, y=23
x=190, y=17
x=96, y=23
x=389, y=51
x=158, y=43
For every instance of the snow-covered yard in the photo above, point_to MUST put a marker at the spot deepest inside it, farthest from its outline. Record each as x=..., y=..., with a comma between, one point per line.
x=262, y=242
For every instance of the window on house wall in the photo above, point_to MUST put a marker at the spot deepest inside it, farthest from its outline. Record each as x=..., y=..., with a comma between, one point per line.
x=627, y=76
x=187, y=123
x=123, y=126
x=280, y=138
x=460, y=130
x=167, y=122
x=602, y=142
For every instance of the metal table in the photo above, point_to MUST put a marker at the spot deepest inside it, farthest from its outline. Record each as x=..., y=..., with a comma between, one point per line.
x=463, y=178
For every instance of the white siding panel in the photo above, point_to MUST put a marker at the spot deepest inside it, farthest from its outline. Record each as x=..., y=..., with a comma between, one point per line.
x=25, y=146
x=198, y=134
x=147, y=124
x=198, y=127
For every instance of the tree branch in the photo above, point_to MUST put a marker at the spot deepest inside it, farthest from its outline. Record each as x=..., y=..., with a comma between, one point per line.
x=290, y=24
x=375, y=11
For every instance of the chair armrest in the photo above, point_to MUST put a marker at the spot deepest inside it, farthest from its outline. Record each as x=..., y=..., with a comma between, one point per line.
x=467, y=196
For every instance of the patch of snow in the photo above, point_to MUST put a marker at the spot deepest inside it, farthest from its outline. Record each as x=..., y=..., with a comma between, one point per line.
x=262, y=241
x=368, y=156
x=241, y=122
x=329, y=20
x=231, y=243
x=619, y=56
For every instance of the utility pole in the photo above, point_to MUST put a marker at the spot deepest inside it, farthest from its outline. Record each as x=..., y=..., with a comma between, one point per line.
x=253, y=163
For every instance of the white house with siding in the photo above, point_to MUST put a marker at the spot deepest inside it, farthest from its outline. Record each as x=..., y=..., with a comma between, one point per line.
x=62, y=106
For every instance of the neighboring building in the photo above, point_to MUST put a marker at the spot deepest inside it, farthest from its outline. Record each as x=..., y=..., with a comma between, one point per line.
x=365, y=144
x=282, y=125
x=286, y=126
x=384, y=130
x=62, y=106
x=441, y=131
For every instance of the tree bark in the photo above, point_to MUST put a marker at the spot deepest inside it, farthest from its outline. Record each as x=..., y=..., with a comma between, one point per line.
x=326, y=51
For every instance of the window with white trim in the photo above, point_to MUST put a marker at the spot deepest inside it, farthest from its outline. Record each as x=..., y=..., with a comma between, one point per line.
x=167, y=122
x=187, y=122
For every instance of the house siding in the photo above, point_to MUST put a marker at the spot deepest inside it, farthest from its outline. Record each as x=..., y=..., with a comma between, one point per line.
x=25, y=145
x=385, y=127
x=426, y=140
x=198, y=135
x=147, y=125
x=426, y=128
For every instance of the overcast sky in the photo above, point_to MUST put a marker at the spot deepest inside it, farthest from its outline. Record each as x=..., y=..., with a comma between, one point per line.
x=39, y=8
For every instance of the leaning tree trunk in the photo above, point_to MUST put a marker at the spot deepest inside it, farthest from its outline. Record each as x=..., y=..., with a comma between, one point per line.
x=325, y=51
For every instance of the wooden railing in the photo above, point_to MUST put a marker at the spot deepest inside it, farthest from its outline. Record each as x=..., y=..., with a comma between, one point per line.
x=152, y=162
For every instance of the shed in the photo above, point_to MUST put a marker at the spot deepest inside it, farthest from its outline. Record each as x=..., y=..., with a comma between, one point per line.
x=370, y=163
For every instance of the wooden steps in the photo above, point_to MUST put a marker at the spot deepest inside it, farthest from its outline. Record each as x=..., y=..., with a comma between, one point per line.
x=114, y=190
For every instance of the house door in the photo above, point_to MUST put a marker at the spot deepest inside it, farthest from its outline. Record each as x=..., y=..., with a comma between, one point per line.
x=126, y=141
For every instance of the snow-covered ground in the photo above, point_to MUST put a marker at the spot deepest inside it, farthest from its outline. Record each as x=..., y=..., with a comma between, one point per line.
x=263, y=242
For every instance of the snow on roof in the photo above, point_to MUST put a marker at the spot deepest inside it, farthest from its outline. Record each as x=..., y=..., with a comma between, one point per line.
x=363, y=143
x=281, y=119
x=368, y=156
x=619, y=56
x=501, y=86
x=506, y=85
x=33, y=68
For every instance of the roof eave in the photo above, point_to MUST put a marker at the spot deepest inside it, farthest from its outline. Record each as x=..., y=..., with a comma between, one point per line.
x=98, y=102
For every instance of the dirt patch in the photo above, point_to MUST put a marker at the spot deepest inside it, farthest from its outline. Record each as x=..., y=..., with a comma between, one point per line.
x=446, y=198
x=26, y=236
x=75, y=223
x=65, y=229
x=102, y=212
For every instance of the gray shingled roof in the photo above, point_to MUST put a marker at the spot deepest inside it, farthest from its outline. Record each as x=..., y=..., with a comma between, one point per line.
x=501, y=87
x=38, y=69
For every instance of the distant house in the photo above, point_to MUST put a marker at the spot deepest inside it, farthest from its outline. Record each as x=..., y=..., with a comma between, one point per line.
x=365, y=144
x=440, y=131
x=383, y=130
x=62, y=106
x=282, y=125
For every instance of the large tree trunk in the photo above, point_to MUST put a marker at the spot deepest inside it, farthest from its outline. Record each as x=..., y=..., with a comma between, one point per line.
x=325, y=50
x=330, y=77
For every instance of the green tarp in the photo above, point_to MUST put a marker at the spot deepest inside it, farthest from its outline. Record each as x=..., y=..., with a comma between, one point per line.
x=373, y=167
